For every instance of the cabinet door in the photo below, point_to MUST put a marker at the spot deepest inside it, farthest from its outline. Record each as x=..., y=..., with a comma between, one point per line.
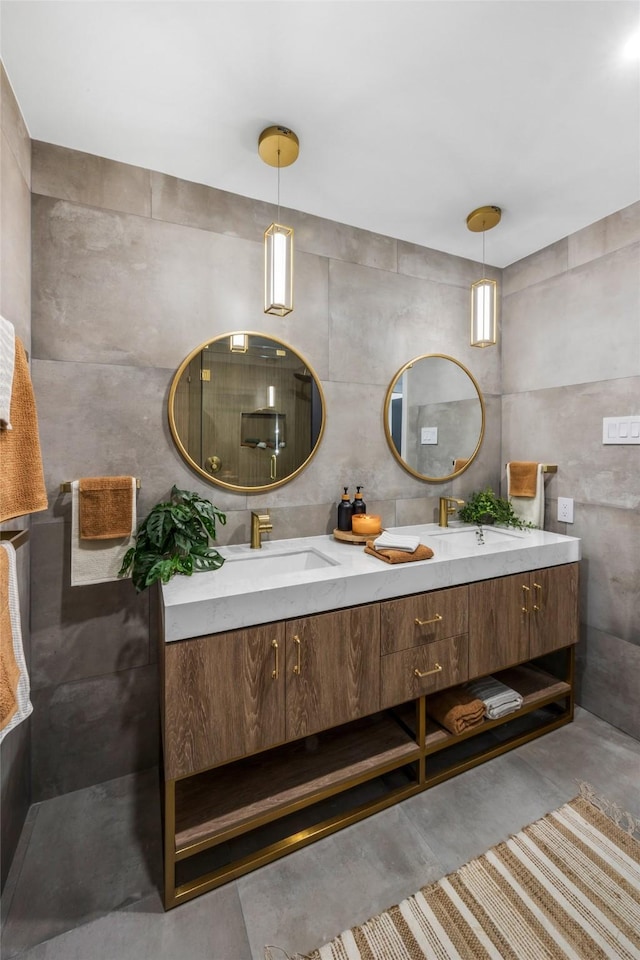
x=498, y=623
x=554, y=609
x=332, y=669
x=223, y=697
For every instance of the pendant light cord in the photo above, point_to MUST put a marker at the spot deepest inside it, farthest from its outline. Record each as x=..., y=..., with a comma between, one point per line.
x=278, y=218
x=483, y=236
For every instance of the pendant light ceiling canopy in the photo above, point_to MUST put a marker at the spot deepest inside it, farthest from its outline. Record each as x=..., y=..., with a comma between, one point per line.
x=278, y=146
x=484, y=292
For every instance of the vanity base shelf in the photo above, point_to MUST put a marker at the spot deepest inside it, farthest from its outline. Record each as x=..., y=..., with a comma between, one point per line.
x=218, y=804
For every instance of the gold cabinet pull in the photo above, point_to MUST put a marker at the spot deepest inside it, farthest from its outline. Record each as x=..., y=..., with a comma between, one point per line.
x=273, y=470
x=538, y=606
x=526, y=592
x=275, y=673
x=427, y=673
x=298, y=667
x=422, y=623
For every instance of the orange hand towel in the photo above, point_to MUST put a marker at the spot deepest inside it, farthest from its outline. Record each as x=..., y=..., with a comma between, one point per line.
x=421, y=552
x=456, y=710
x=22, y=489
x=106, y=505
x=459, y=464
x=523, y=478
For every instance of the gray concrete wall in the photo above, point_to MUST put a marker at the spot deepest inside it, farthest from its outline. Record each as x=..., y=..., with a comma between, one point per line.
x=571, y=356
x=15, y=306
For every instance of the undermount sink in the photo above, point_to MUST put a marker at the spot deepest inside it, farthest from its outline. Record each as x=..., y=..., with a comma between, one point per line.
x=260, y=565
x=463, y=537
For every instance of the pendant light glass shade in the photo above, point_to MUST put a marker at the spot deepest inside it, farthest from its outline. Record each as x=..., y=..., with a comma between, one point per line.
x=484, y=296
x=278, y=270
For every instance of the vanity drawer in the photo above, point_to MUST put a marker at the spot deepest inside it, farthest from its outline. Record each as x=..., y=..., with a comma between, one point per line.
x=444, y=662
x=423, y=618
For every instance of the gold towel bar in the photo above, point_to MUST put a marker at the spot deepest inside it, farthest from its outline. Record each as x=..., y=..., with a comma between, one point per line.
x=66, y=486
x=546, y=467
x=16, y=537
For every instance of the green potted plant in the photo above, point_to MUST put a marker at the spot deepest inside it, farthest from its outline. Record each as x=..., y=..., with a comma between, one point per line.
x=174, y=538
x=486, y=507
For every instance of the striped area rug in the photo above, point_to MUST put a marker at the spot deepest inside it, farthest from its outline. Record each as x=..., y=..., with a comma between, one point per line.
x=568, y=886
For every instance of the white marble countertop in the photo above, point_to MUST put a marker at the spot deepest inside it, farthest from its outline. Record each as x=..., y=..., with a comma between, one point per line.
x=249, y=589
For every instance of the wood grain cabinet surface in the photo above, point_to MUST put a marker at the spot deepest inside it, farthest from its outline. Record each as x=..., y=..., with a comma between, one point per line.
x=423, y=618
x=517, y=618
x=332, y=669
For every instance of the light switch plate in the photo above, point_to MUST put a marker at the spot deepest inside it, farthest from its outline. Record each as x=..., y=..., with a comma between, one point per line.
x=621, y=429
x=429, y=435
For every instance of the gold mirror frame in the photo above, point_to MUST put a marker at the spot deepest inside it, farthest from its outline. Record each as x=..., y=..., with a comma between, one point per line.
x=215, y=461
x=387, y=428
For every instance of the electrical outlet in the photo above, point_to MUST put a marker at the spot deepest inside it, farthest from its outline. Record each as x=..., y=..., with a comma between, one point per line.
x=565, y=509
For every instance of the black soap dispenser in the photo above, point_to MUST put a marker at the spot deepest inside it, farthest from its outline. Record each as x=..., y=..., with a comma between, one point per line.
x=345, y=512
x=359, y=506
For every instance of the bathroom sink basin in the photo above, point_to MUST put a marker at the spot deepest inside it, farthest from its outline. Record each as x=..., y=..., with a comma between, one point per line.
x=464, y=538
x=259, y=565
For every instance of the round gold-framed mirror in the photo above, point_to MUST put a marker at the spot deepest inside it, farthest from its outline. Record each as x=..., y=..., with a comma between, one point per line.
x=246, y=411
x=434, y=417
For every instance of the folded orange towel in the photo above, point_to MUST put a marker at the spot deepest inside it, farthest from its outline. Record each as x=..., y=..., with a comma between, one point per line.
x=105, y=507
x=22, y=489
x=459, y=464
x=9, y=670
x=421, y=552
x=456, y=710
x=523, y=478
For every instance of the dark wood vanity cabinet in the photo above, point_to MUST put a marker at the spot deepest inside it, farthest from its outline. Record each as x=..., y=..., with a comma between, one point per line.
x=264, y=724
x=332, y=669
x=520, y=617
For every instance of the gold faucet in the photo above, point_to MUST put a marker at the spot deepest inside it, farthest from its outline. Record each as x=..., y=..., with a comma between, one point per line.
x=260, y=523
x=446, y=509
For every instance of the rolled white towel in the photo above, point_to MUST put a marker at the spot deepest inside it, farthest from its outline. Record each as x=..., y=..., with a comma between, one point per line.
x=396, y=541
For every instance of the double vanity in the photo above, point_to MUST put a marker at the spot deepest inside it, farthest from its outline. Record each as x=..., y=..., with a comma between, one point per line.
x=296, y=682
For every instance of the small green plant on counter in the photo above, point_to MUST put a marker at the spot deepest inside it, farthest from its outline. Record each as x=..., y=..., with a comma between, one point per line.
x=486, y=507
x=174, y=538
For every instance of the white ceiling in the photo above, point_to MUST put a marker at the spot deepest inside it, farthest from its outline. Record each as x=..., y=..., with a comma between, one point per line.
x=409, y=114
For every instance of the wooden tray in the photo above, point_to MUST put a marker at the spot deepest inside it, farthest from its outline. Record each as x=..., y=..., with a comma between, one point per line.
x=349, y=537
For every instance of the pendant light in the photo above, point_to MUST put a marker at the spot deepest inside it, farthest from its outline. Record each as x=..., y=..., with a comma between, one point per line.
x=484, y=292
x=279, y=147
x=239, y=342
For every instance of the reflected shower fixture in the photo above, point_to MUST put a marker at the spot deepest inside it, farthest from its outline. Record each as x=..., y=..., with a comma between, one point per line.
x=484, y=292
x=279, y=147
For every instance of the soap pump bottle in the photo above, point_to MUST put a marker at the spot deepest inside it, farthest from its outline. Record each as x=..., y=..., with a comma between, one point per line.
x=345, y=511
x=359, y=506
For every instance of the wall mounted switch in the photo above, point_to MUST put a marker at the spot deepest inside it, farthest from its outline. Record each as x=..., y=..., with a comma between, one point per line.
x=429, y=435
x=565, y=509
x=621, y=429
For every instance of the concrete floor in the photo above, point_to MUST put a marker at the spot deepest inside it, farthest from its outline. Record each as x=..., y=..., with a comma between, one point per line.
x=85, y=881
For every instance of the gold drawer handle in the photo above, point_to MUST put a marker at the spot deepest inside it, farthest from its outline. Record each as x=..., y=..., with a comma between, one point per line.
x=275, y=672
x=427, y=673
x=298, y=667
x=538, y=607
x=526, y=592
x=422, y=623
